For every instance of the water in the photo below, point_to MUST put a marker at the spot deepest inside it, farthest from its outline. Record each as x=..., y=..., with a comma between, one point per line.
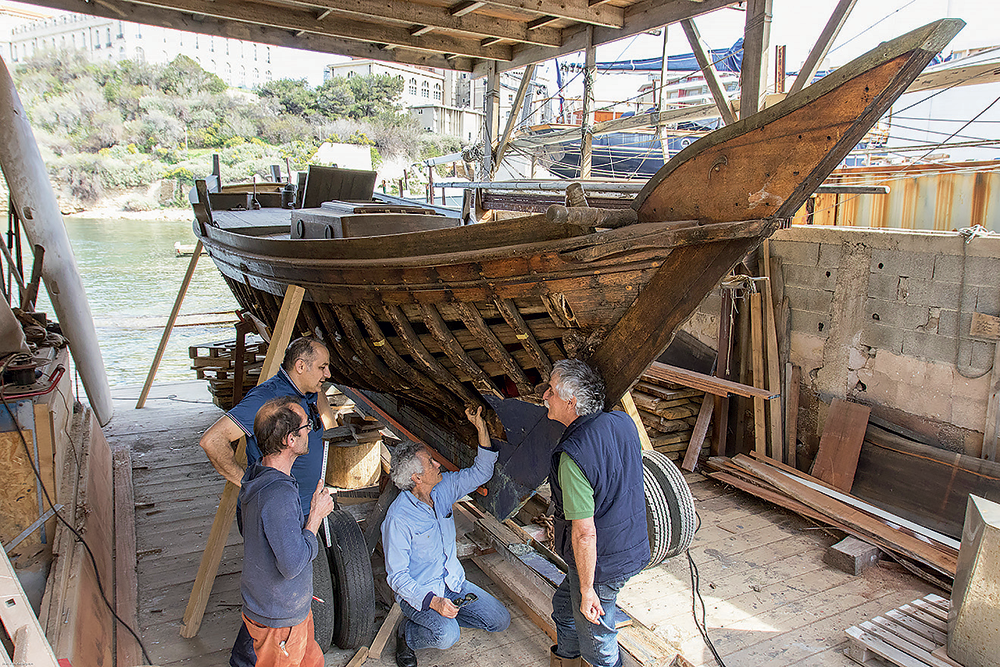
x=131, y=274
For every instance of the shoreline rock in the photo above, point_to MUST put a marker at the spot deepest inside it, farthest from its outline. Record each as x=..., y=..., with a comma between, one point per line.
x=158, y=215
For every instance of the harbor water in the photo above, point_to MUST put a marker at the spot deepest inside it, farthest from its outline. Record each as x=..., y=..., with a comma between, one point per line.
x=132, y=274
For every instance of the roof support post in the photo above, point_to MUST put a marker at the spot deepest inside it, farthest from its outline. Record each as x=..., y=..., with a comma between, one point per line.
x=587, y=126
x=822, y=46
x=661, y=104
x=708, y=69
x=756, y=39
x=491, y=104
x=515, y=113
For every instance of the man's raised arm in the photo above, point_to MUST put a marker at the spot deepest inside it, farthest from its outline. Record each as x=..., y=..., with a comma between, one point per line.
x=217, y=443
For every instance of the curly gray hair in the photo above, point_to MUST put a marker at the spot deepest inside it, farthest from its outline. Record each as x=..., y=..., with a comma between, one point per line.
x=405, y=463
x=577, y=379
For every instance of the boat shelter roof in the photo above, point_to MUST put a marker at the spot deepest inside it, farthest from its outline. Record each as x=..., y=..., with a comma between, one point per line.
x=462, y=35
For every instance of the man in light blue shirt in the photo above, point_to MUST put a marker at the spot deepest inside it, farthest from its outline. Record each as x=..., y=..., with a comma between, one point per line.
x=421, y=562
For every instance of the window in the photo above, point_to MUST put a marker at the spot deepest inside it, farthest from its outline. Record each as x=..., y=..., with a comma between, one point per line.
x=140, y=55
x=13, y=51
x=437, y=92
x=350, y=74
x=227, y=47
x=267, y=75
x=268, y=52
x=211, y=43
x=121, y=32
x=425, y=89
x=196, y=42
x=138, y=31
x=107, y=32
x=121, y=53
x=256, y=76
x=72, y=38
x=255, y=52
x=413, y=86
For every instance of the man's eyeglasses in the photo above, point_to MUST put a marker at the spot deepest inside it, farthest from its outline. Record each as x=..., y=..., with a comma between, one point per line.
x=317, y=423
x=308, y=426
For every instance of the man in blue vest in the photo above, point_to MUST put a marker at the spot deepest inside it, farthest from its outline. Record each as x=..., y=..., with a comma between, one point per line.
x=304, y=369
x=600, y=514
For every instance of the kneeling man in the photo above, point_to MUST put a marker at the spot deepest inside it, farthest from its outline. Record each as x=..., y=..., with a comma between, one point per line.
x=421, y=563
x=279, y=545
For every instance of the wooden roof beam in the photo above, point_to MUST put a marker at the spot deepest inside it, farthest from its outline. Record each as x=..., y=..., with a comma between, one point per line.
x=418, y=30
x=642, y=17
x=541, y=22
x=708, y=69
x=822, y=46
x=332, y=26
x=579, y=11
x=177, y=20
x=464, y=21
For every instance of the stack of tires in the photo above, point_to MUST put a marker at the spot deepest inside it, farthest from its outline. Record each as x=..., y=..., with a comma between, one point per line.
x=670, y=515
x=343, y=603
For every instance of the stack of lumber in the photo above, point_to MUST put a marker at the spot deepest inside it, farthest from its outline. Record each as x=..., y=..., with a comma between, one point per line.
x=669, y=412
x=216, y=362
x=823, y=502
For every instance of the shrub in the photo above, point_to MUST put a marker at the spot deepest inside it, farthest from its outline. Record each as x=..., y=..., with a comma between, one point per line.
x=134, y=203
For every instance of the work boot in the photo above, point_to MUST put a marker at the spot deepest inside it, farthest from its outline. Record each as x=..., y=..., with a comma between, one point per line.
x=556, y=660
x=405, y=657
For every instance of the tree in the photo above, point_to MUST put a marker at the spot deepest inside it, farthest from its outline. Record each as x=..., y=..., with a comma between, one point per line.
x=292, y=96
x=335, y=98
x=375, y=95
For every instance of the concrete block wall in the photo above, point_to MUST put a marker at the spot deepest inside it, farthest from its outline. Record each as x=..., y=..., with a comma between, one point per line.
x=876, y=318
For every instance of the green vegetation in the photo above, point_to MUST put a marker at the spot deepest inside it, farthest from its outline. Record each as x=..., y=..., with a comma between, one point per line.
x=109, y=128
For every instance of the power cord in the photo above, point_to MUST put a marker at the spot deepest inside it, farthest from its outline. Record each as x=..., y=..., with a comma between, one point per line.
x=701, y=624
x=79, y=538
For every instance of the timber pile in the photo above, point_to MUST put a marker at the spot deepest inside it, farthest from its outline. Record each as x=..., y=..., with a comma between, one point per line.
x=813, y=498
x=669, y=412
x=216, y=362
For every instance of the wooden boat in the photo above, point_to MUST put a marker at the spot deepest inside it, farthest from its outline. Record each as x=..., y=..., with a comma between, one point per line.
x=445, y=315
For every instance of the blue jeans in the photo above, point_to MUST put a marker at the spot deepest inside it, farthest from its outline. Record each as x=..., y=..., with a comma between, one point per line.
x=575, y=635
x=429, y=629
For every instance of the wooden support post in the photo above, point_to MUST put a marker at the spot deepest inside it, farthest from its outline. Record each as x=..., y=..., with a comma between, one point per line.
x=169, y=326
x=662, y=104
x=629, y=404
x=698, y=434
x=492, y=115
x=757, y=352
x=587, y=126
x=522, y=89
x=708, y=69
x=430, y=184
x=992, y=430
x=822, y=46
x=722, y=370
x=756, y=38
x=386, y=632
x=779, y=68
x=793, y=378
x=281, y=335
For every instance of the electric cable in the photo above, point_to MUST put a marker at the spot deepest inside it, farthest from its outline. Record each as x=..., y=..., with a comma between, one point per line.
x=696, y=597
x=58, y=515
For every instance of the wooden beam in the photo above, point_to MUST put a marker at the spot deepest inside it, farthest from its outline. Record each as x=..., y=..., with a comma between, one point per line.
x=773, y=366
x=822, y=45
x=639, y=18
x=515, y=112
x=757, y=350
x=840, y=445
x=198, y=22
x=793, y=380
x=175, y=311
x=662, y=103
x=463, y=8
x=349, y=26
x=724, y=372
x=541, y=22
x=702, y=382
x=578, y=11
x=629, y=404
x=708, y=69
x=386, y=632
x=756, y=42
x=698, y=435
x=281, y=336
x=419, y=30
x=491, y=115
x=587, y=126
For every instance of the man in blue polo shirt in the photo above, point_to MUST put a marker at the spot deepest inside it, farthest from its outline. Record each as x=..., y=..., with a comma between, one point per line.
x=305, y=367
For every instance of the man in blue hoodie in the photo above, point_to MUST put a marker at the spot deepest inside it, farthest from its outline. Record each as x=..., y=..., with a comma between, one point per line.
x=279, y=544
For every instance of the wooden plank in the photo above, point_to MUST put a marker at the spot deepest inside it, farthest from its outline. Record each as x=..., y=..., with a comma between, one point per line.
x=756, y=42
x=126, y=580
x=30, y=645
x=45, y=435
x=757, y=359
x=698, y=435
x=281, y=336
x=702, y=382
x=359, y=658
x=866, y=640
x=793, y=381
x=724, y=371
x=587, y=122
x=536, y=604
x=840, y=445
x=514, y=116
x=629, y=404
x=822, y=45
x=386, y=632
x=773, y=367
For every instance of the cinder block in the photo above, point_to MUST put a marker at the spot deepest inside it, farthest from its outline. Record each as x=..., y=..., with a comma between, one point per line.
x=948, y=267
x=809, y=322
x=881, y=337
x=946, y=325
x=988, y=299
x=981, y=270
x=945, y=294
x=851, y=555
x=830, y=254
x=818, y=301
x=982, y=354
x=929, y=346
x=973, y=622
x=810, y=277
x=883, y=286
x=896, y=314
x=911, y=265
x=795, y=252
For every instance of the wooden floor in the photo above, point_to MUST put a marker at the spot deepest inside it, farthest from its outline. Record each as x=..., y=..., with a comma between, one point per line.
x=770, y=599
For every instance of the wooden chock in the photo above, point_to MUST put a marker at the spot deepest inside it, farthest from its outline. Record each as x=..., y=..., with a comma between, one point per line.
x=209, y=567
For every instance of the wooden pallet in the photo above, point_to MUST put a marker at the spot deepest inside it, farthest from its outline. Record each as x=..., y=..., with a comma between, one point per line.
x=913, y=635
x=216, y=363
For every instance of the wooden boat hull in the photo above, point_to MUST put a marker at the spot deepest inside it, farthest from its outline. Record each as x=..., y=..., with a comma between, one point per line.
x=429, y=322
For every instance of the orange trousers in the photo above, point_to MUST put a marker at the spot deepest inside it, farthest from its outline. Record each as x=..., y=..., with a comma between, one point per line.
x=285, y=647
